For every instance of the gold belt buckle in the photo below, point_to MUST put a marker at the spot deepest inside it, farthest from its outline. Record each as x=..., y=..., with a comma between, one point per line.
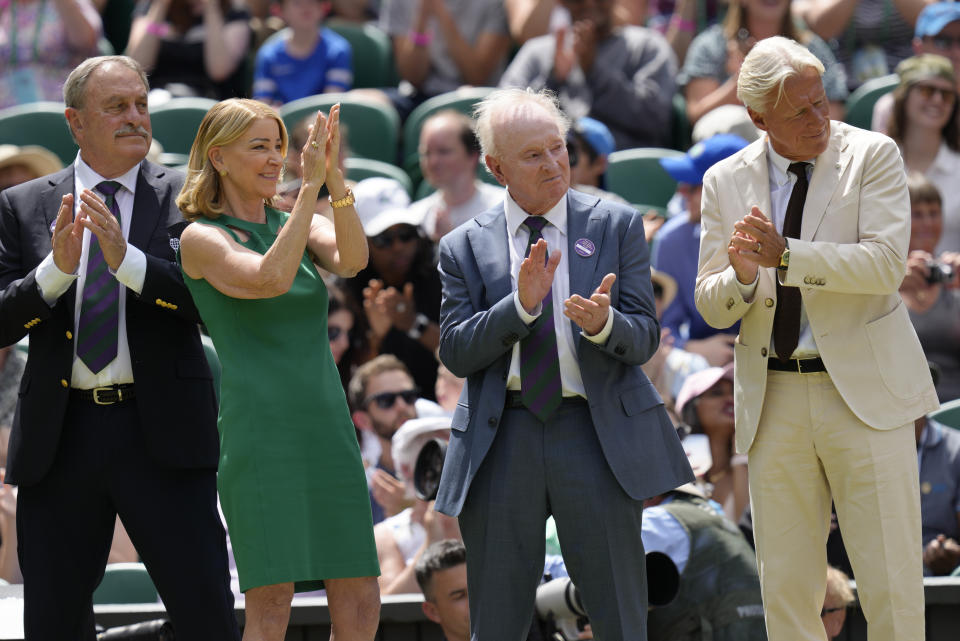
x=799, y=366
x=96, y=395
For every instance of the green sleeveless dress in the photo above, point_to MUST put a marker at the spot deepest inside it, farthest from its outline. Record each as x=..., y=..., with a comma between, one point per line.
x=291, y=480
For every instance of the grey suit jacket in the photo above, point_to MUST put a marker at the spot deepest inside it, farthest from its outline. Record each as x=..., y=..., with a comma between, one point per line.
x=479, y=326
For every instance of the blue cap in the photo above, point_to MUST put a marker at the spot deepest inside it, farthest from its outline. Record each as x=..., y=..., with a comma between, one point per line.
x=598, y=135
x=935, y=17
x=703, y=155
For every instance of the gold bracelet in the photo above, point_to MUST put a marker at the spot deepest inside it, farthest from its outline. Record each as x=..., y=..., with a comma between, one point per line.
x=346, y=201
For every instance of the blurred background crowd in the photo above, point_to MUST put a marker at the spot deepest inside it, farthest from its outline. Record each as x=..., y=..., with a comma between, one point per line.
x=650, y=86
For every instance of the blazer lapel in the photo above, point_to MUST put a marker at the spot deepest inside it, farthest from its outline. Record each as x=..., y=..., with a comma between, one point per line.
x=823, y=183
x=585, y=224
x=488, y=240
x=146, y=206
x=753, y=179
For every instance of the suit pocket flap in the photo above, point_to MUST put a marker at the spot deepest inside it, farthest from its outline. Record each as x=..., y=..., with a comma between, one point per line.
x=639, y=399
x=193, y=368
x=461, y=418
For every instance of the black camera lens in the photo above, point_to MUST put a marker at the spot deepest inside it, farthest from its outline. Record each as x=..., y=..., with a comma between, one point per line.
x=428, y=468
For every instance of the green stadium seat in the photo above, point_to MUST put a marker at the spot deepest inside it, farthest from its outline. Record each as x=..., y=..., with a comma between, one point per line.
x=636, y=175
x=859, y=106
x=373, y=64
x=373, y=127
x=948, y=414
x=360, y=168
x=125, y=583
x=39, y=123
x=175, y=123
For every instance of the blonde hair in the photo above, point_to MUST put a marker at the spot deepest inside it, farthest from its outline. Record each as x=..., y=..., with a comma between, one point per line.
x=512, y=102
x=226, y=122
x=767, y=67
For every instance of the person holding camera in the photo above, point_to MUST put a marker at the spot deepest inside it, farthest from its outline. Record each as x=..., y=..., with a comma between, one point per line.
x=930, y=288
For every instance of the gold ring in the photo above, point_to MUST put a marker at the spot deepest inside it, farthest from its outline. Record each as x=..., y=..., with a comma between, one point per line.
x=314, y=144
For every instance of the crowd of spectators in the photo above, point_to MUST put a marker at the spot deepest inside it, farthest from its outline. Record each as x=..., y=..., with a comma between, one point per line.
x=618, y=72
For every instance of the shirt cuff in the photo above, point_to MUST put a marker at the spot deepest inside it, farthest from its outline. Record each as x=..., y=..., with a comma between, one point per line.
x=601, y=337
x=747, y=291
x=52, y=282
x=522, y=313
x=133, y=269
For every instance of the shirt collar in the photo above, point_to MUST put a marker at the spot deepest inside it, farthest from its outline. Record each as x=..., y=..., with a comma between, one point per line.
x=780, y=165
x=557, y=216
x=90, y=178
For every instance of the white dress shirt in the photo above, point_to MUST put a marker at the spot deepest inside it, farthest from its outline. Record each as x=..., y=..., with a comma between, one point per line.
x=53, y=283
x=555, y=233
x=782, y=182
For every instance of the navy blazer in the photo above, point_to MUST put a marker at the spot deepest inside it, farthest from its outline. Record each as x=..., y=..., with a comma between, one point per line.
x=175, y=396
x=479, y=326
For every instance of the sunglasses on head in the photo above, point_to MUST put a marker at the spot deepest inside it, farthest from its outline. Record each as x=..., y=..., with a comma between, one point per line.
x=404, y=234
x=927, y=91
x=386, y=400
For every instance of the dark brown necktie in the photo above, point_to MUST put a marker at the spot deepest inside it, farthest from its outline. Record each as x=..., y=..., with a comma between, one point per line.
x=786, y=318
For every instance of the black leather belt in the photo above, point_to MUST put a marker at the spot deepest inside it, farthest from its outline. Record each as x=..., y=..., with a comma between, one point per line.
x=106, y=395
x=513, y=401
x=799, y=366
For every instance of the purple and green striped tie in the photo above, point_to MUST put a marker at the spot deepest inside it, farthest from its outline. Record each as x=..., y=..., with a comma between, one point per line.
x=540, y=388
x=99, y=311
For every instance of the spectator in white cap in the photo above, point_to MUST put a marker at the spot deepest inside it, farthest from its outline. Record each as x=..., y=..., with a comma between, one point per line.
x=400, y=287
x=402, y=538
x=705, y=406
x=20, y=164
x=937, y=31
x=449, y=155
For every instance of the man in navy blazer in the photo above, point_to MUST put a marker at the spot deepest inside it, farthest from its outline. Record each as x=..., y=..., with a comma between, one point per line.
x=135, y=434
x=605, y=442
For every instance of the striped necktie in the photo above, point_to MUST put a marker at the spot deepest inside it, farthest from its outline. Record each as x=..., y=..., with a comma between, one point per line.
x=540, y=389
x=99, y=311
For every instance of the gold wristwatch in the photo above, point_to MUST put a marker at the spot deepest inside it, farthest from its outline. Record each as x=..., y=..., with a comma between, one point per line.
x=346, y=201
x=784, y=259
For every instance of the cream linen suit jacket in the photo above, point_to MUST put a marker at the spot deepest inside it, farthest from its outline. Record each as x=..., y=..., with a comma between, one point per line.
x=848, y=264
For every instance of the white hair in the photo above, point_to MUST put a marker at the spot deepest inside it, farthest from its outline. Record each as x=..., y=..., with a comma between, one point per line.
x=513, y=102
x=768, y=65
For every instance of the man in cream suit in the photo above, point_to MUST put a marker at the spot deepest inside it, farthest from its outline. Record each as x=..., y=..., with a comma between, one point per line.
x=572, y=427
x=804, y=240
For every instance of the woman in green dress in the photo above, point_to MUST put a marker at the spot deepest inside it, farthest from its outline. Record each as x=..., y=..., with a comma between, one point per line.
x=291, y=481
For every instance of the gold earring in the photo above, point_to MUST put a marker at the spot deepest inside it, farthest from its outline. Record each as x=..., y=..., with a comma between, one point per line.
x=223, y=173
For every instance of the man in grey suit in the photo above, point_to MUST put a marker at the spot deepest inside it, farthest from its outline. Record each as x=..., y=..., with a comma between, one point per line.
x=556, y=417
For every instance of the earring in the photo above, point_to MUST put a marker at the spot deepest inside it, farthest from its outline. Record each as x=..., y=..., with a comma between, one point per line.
x=223, y=173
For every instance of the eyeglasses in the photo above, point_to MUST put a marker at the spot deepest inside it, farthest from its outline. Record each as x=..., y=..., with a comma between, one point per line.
x=334, y=332
x=404, y=234
x=944, y=42
x=386, y=400
x=928, y=91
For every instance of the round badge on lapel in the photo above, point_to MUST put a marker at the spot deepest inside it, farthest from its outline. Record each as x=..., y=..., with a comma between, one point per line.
x=53, y=226
x=584, y=247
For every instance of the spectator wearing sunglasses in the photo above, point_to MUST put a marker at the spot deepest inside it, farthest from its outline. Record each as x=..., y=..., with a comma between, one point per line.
x=382, y=397
x=400, y=287
x=925, y=127
x=937, y=31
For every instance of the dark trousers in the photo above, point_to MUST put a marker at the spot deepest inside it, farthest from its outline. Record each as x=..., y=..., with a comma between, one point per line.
x=532, y=470
x=65, y=528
